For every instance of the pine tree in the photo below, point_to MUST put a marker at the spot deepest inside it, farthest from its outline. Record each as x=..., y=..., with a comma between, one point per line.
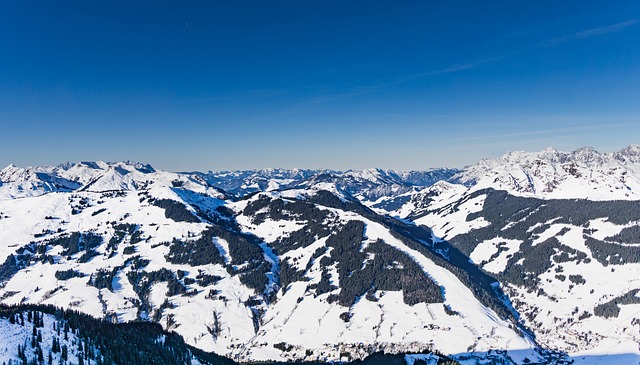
x=55, y=346
x=40, y=354
x=64, y=353
x=20, y=351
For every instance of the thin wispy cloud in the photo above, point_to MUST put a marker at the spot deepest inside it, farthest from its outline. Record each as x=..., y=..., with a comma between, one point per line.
x=547, y=131
x=494, y=57
x=589, y=33
x=529, y=48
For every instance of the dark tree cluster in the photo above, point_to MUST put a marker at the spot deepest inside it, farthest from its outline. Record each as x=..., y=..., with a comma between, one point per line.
x=204, y=279
x=175, y=211
x=612, y=253
x=142, y=282
x=101, y=210
x=279, y=209
x=577, y=279
x=500, y=208
x=76, y=242
x=611, y=308
x=101, y=342
x=389, y=269
x=628, y=235
x=247, y=257
x=78, y=204
x=324, y=285
x=137, y=262
x=246, y=253
x=537, y=260
x=196, y=252
x=68, y=274
x=121, y=230
x=103, y=278
x=129, y=250
x=12, y=264
x=87, y=256
x=513, y=217
x=289, y=274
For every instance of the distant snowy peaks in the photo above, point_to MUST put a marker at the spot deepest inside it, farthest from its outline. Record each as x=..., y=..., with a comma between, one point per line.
x=18, y=182
x=375, y=175
x=100, y=165
x=583, y=174
x=629, y=154
x=585, y=155
x=14, y=173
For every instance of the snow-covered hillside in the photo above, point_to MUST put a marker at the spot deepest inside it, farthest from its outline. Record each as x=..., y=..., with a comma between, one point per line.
x=37, y=334
x=262, y=278
x=569, y=266
x=520, y=256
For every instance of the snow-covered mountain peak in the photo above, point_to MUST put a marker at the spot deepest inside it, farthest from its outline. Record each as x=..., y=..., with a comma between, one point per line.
x=13, y=173
x=9, y=167
x=588, y=156
x=441, y=187
x=629, y=154
x=375, y=175
x=94, y=165
x=101, y=165
x=584, y=173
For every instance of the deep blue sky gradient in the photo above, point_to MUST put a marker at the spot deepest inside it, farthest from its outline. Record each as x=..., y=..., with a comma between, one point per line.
x=199, y=85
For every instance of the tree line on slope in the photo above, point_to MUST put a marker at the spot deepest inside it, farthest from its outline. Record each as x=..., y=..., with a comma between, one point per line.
x=99, y=342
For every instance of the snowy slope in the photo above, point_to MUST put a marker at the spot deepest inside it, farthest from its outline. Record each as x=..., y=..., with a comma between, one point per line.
x=310, y=322
x=44, y=334
x=569, y=266
x=290, y=264
x=127, y=263
x=16, y=334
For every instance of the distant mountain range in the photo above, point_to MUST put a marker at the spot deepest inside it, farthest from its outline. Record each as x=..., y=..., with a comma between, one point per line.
x=531, y=257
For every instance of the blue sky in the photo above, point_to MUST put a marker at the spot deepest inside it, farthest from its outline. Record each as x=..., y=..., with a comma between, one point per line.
x=200, y=85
